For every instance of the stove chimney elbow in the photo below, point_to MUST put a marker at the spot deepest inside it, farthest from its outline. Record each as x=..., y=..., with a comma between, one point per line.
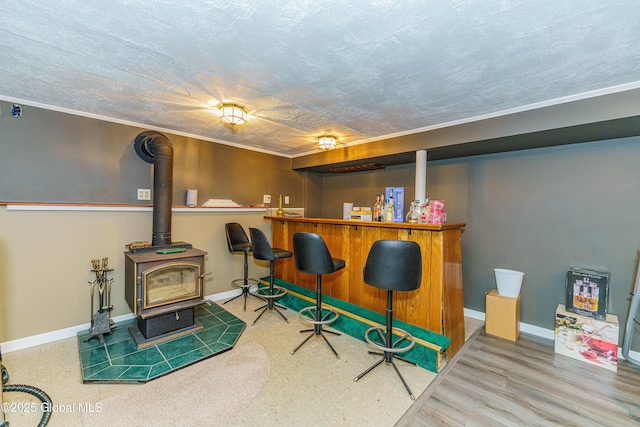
x=154, y=147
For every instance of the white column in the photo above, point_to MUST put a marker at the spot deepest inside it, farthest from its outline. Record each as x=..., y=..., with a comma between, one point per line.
x=421, y=175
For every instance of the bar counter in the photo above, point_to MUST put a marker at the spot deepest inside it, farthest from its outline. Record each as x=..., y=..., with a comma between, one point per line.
x=437, y=305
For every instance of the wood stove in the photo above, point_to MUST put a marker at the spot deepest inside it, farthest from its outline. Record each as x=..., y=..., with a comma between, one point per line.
x=163, y=280
x=162, y=290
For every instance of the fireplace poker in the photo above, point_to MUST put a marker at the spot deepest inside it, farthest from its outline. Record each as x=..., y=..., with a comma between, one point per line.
x=93, y=287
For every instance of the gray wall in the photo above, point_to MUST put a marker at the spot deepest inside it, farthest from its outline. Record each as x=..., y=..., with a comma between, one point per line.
x=539, y=211
x=48, y=156
x=361, y=188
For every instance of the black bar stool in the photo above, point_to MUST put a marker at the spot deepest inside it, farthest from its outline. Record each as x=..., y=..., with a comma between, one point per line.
x=312, y=256
x=394, y=265
x=238, y=241
x=262, y=250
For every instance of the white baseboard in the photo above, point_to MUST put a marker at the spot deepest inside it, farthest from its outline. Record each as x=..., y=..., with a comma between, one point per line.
x=60, y=334
x=524, y=327
x=47, y=337
x=224, y=295
x=52, y=336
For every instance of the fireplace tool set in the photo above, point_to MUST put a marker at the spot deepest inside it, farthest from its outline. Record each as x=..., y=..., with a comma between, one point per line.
x=101, y=322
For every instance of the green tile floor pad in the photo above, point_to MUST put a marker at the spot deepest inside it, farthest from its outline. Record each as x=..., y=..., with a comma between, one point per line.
x=354, y=321
x=118, y=360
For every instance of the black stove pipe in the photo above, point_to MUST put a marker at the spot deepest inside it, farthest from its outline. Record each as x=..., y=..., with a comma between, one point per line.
x=154, y=147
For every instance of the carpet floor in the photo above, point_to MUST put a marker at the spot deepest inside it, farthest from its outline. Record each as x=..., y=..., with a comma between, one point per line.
x=204, y=394
x=310, y=388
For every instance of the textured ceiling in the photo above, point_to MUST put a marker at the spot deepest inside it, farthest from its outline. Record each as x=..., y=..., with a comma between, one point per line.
x=359, y=69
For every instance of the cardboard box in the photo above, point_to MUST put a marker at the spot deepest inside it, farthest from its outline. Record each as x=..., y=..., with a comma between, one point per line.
x=587, y=292
x=586, y=339
x=502, y=317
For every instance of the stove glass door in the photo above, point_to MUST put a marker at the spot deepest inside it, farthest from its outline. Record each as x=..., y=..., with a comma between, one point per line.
x=169, y=283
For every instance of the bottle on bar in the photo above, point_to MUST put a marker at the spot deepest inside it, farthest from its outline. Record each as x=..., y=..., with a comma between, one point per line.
x=390, y=212
x=376, y=208
x=424, y=212
x=383, y=208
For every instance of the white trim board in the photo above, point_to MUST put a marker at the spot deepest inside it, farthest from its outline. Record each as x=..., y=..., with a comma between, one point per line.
x=81, y=207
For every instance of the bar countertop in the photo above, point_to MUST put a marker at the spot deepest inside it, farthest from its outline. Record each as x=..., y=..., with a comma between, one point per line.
x=382, y=224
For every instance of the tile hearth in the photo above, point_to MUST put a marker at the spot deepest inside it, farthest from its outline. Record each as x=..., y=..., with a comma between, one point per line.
x=118, y=359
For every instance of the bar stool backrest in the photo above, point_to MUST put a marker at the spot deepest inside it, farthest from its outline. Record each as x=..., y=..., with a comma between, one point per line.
x=394, y=265
x=261, y=247
x=311, y=254
x=236, y=237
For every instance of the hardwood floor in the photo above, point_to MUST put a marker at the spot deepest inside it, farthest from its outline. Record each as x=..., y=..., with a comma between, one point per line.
x=495, y=382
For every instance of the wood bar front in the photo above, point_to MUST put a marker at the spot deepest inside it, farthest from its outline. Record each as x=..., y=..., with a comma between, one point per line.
x=438, y=304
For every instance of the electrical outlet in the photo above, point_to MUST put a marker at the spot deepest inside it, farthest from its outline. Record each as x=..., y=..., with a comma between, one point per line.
x=144, y=194
x=286, y=200
x=266, y=198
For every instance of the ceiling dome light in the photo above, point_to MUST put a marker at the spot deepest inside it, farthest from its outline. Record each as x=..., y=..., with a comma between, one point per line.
x=233, y=114
x=327, y=142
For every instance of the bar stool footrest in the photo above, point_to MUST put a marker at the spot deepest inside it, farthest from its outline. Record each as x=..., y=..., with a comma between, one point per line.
x=239, y=283
x=307, y=315
x=265, y=292
x=404, y=336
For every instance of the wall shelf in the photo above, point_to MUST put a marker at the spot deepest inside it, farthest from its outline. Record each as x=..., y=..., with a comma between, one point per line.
x=21, y=206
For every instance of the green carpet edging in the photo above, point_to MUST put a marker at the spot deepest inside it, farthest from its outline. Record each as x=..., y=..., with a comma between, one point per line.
x=428, y=344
